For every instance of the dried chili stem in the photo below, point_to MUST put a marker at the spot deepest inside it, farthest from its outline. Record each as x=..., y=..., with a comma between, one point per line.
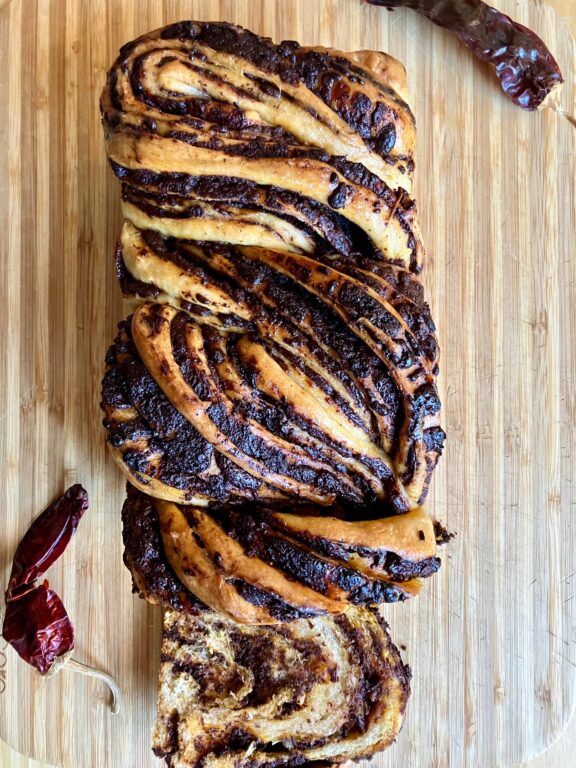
x=566, y=115
x=77, y=666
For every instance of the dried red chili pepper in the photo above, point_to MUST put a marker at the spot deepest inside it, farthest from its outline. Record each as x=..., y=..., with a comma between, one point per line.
x=36, y=623
x=46, y=540
x=37, y=626
x=527, y=71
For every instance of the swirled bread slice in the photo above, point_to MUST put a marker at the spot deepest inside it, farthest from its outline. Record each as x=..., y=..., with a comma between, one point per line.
x=312, y=692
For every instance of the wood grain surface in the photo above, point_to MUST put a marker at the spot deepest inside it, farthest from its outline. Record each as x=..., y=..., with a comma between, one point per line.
x=492, y=639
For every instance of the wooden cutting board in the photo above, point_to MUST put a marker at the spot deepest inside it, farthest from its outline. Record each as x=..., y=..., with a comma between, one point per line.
x=492, y=639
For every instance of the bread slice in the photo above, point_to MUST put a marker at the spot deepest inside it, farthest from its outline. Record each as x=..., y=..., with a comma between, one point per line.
x=312, y=691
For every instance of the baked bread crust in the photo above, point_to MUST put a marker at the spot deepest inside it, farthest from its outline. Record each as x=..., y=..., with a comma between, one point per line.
x=281, y=349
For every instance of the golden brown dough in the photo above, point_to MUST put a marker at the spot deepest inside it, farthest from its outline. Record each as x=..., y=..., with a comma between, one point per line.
x=269, y=226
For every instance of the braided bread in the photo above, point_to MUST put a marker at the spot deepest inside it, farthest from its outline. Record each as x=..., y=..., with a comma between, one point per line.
x=272, y=398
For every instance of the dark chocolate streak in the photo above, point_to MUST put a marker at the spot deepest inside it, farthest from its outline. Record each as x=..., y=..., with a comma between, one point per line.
x=387, y=563
x=277, y=608
x=292, y=308
x=144, y=556
x=149, y=190
x=185, y=457
x=300, y=558
x=265, y=659
x=330, y=232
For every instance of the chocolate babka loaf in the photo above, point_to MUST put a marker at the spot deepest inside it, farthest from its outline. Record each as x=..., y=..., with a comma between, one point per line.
x=272, y=397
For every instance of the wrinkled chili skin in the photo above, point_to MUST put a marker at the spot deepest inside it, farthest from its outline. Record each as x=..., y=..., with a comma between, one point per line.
x=525, y=67
x=46, y=540
x=37, y=626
